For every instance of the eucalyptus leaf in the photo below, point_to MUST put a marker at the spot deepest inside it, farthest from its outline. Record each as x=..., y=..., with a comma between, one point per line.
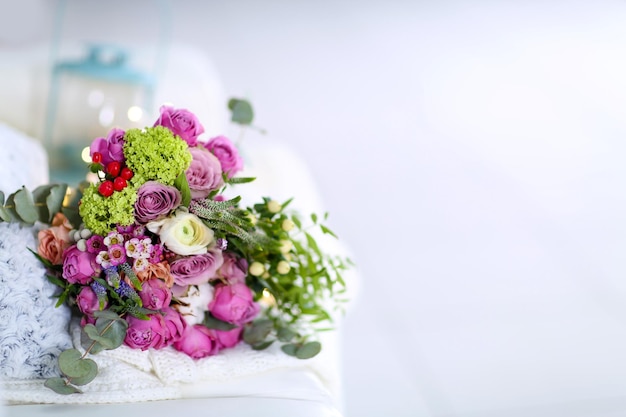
x=213, y=323
x=60, y=386
x=285, y=334
x=73, y=365
x=290, y=349
x=113, y=331
x=25, y=206
x=54, y=201
x=256, y=332
x=242, y=112
x=106, y=314
x=308, y=350
x=39, y=197
x=263, y=346
x=90, y=376
x=94, y=335
x=9, y=211
x=1, y=198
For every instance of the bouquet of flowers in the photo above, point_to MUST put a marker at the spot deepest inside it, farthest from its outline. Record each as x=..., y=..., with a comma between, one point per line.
x=152, y=254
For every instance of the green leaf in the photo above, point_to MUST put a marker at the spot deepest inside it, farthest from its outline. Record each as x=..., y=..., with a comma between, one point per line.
x=84, y=380
x=59, y=386
x=113, y=331
x=183, y=186
x=56, y=281
x=296, y=221
x=106, y=314
x=314, y=217
x=213, y=323
x=39, y=197
x=1, y=198
x=94, y=335
x=74, y=366
x=54, y=201
x=256, y=333
x=262, y=346
x=241, y=180
x=25, y=206
x=308, y=350
x=290, y=349
x=241, y=111
x=285, y=334
x=313, y=244
x=327, y=231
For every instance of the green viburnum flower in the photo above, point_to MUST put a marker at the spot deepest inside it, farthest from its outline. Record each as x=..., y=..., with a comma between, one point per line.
x=155, y=154
x=102, y=214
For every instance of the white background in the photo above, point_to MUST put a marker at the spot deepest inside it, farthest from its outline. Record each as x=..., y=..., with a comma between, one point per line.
x=471, y=154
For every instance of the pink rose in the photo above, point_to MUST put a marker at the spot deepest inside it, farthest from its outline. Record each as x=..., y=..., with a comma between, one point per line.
x=87, y=301
x=79, y=267
x=233, y=303
x=111, y=148
x=204, y=173
x=175, y=325
x=227, y=154
x=233, y=269
x=182, y=123
x=155, y=294
x=196, y=269
x=228, y=339
x=197, y=342
x=52, y=243
x=146, y=334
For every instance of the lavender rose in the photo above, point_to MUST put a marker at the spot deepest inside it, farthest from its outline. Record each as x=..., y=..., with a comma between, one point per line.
x=79, y=267
x=146, y=334
x=155, y=200
x=196, y=269
x=155, y=294
x=233, y=269
x=227, y=154
x=197, y=342
x=204, y=174
x=111, y=148
x=233, y=303
x=182, y=123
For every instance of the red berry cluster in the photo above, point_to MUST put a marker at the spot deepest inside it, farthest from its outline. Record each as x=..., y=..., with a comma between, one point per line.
x=116, y=176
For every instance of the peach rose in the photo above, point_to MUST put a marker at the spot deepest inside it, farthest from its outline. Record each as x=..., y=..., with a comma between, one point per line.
x=55, y=240
x=160, y=270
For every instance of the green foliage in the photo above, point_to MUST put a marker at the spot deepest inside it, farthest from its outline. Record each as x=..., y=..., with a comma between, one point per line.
x=108, y=333
x=24, y=206
x=182, y=185
x=241, y=110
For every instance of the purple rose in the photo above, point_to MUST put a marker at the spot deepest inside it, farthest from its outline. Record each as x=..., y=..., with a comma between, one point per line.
x=233, y=303
x=175, y=325
x=196, y=269
x=79, y=267
x=233, y=269
x=229, y=338
x=146, y=334
x=227, y=154
x=182, y=123
x=197, y=342
x=87, y=301
x=155, y=294
x=111, y=148
x=155, y=200
x=204, y=174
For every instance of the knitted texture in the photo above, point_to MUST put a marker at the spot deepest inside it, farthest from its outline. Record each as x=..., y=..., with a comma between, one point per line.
x=32, y=331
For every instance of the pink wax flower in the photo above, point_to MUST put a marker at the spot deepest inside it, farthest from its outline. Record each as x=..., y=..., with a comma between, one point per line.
x=79, y=267
x=228, y=338
x=196, y=269
x=111, y=148
x=233, y=269
x=95, y=244
x=227, y=153
x=117, y=254
x=204, y=174
x=198, y=342
x=155, y=294
x=181, y=122
x=233, y=303
x=146, y=334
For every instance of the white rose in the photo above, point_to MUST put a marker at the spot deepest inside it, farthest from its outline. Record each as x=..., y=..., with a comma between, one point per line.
x=183, y=233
